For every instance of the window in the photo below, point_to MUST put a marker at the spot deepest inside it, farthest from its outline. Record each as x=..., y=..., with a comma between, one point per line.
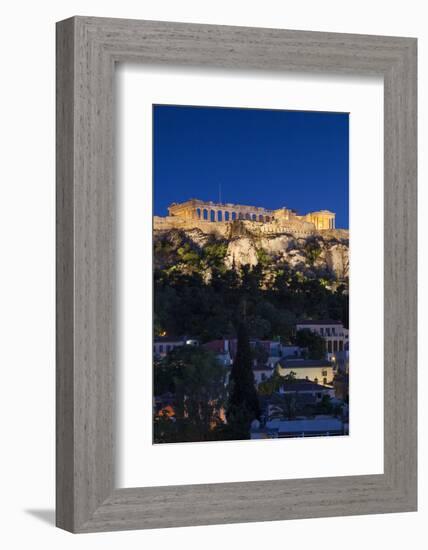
x=325, y=381
x=322, y=331
x=324, y=373
x=160, y=348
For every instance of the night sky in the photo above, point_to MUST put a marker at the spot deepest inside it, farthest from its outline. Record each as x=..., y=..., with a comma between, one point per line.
x=269, y=158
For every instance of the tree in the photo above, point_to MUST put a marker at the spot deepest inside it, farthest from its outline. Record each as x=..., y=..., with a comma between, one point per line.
x=313, y=250
x=196, y=380
x=260, y=354
x=243, y=405
x=271, y=385
x=315, y=344
x=284, y=406
x=325, y=406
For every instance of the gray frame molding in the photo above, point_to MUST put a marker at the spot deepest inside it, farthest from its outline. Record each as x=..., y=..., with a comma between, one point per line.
x=87, y=50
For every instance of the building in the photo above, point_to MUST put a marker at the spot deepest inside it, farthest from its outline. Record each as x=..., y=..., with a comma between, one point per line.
x=335, y=335
x=307, y=388
x=300, y=427
x=209, y=211
x=292, y=352
x=272, y=349
x=316, y=370
x=224, y=350
x=225, y=346
x=164, y=344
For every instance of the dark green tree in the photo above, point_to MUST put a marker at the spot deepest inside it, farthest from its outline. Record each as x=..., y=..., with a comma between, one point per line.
x=272, y=384
x=260, y=354
x=313, y=342
x=243, y=405
x=313, y=250
x=196, y=380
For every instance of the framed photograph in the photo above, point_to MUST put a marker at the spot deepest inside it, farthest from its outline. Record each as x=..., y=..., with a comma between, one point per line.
x=236, y=274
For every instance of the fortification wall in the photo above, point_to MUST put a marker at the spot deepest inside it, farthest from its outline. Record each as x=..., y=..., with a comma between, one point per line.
x=340, y=234
x=278, y=227
x=174, y=222
x=296, y=228
x=223, y=229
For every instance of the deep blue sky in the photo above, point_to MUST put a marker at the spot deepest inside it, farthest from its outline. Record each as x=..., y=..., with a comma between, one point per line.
x=269, y=158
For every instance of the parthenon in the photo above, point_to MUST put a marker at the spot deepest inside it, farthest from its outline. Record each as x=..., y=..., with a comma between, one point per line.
x=195, y=209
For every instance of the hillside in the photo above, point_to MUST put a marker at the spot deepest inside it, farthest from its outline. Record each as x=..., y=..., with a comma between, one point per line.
x=320, y=254
x=207, y=278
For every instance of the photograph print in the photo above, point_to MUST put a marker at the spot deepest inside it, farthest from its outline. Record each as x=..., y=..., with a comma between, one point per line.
x=250, y=274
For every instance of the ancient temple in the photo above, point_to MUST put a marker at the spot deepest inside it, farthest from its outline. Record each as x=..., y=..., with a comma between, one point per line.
x=195, y=209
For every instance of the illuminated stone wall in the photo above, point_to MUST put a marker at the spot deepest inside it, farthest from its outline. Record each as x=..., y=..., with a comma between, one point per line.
x=224, y=229
x=195, y=209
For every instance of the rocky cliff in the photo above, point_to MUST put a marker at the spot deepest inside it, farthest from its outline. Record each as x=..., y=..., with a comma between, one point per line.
x=323, y=253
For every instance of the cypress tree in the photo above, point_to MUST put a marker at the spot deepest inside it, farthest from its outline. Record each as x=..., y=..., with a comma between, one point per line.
x=243, y=405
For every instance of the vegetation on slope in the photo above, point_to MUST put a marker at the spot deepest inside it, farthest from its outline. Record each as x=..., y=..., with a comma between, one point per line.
x=198, y=295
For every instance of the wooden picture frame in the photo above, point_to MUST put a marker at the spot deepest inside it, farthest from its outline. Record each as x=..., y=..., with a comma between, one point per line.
x=87, y=50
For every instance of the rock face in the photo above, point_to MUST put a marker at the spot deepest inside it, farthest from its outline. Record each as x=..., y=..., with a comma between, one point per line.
x=241, y=251
x=333, y=256
x=337, y=260
x=320, y=252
